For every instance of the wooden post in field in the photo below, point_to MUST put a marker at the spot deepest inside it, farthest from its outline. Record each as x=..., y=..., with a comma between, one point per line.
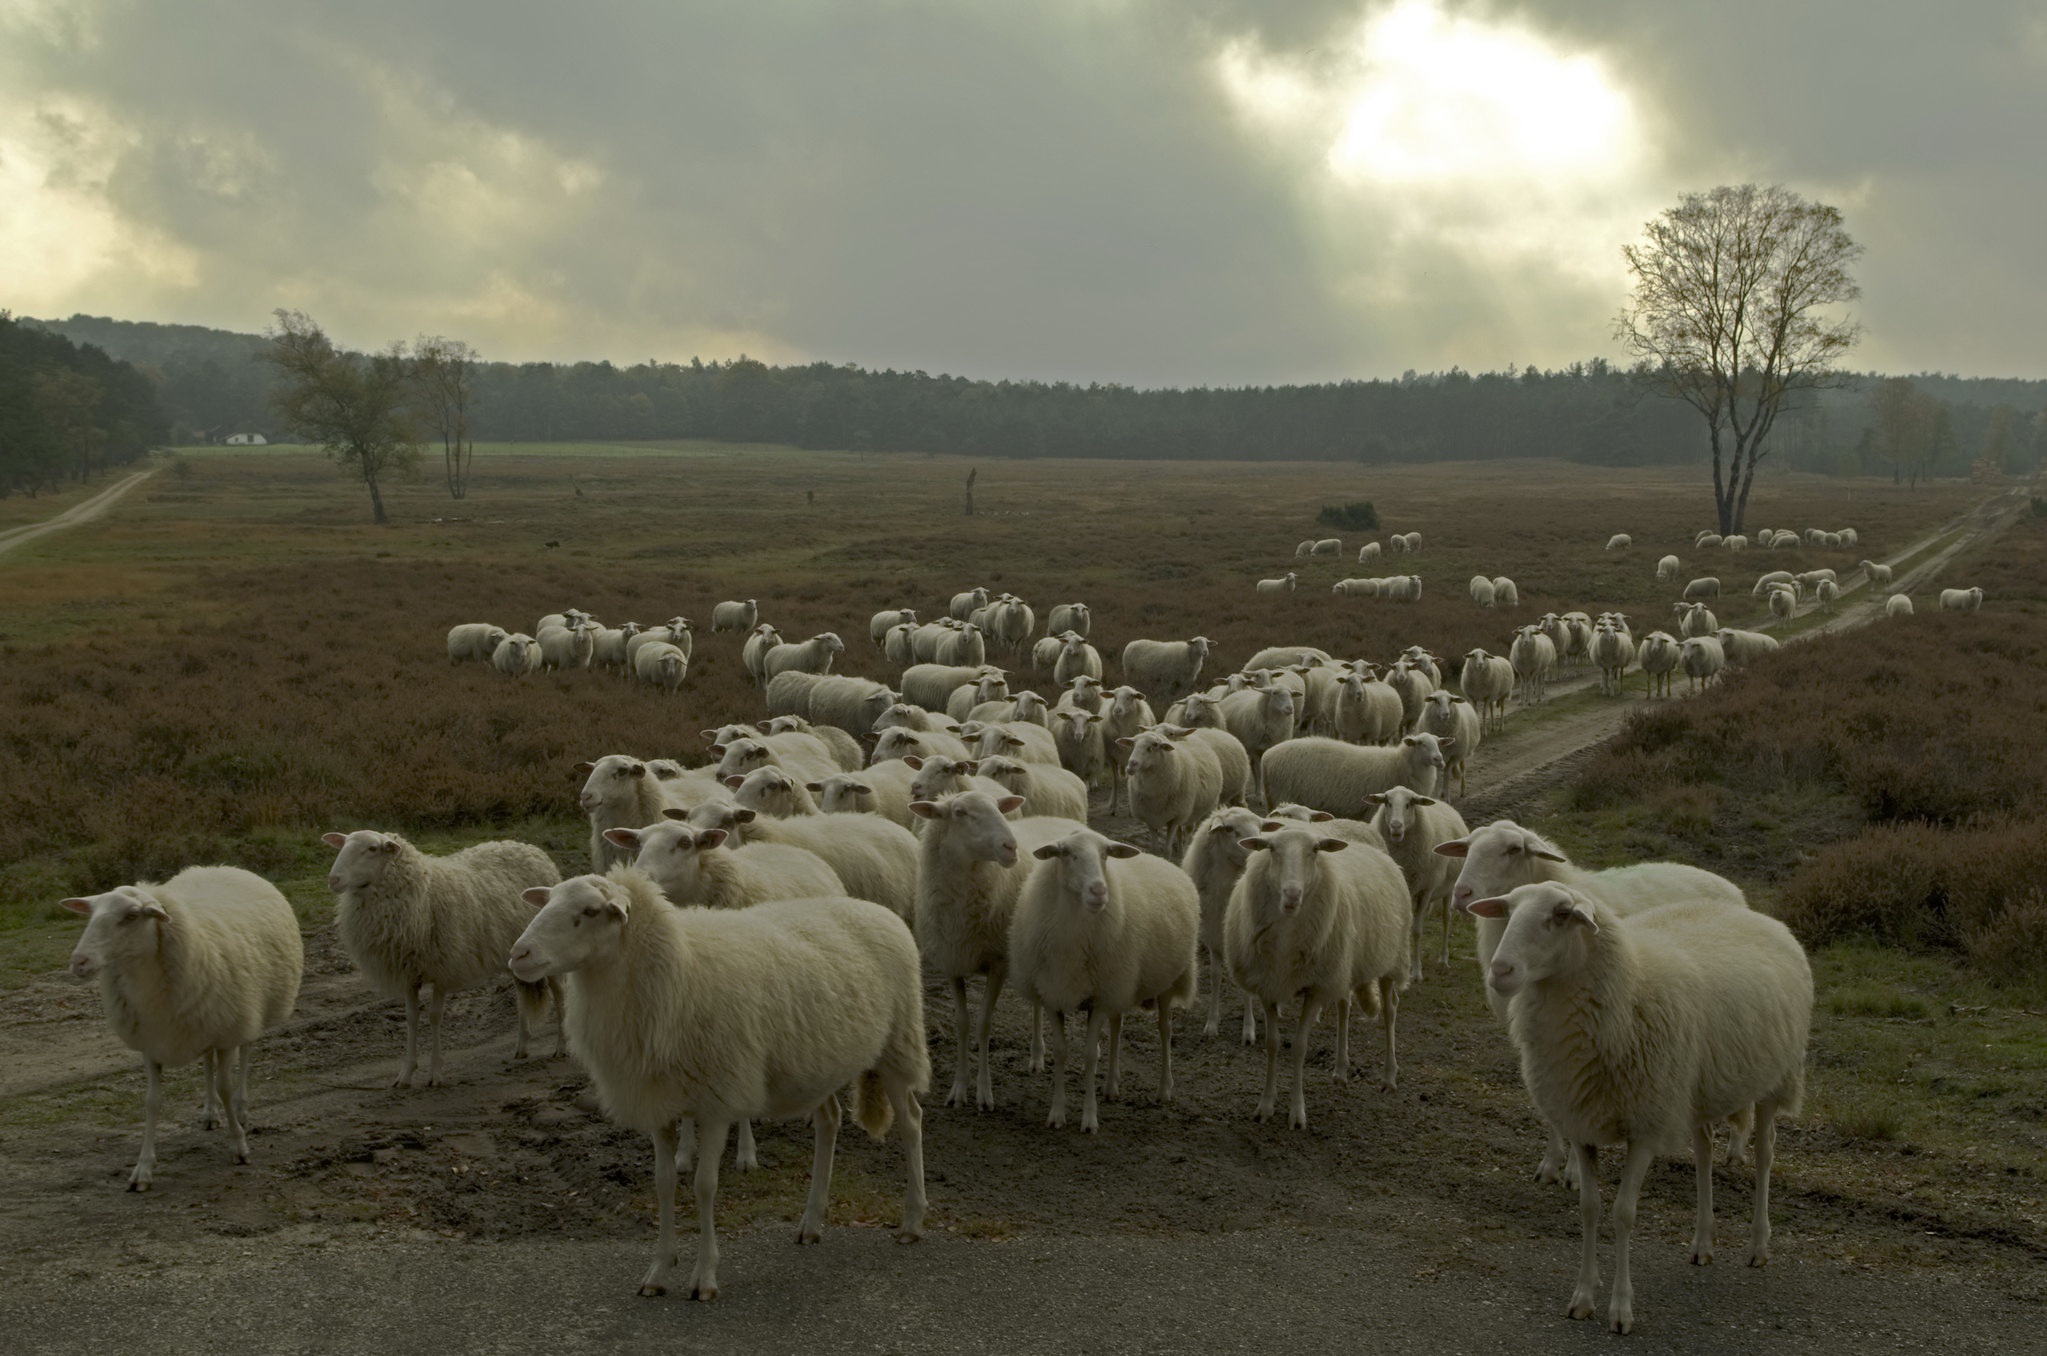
x=970, y=490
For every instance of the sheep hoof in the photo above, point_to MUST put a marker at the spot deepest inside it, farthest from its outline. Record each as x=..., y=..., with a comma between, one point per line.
x=908, y=1235
x=705, y=1291
x=1622, y=1321
x=807, y=1234
x=1702, y=1255
x=1759, y=1258
x=651, y=1290
x=1581, y=1306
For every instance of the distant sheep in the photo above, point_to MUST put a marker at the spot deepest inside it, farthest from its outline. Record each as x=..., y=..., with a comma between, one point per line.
x=1897, y=605
x=1369, y=551
x=1961, y=600
x=1534, y=657
x=963, y=605
x=1329, y=775
x=1708, y=587
x=1284, y=584
x=1505, y=592
x=1164, y=670
x=1825, y=592
x=1668, y=567
x=1481, y=590
x=1328, y=546
x=1619, y=541
x=1487, y=681
x=474, y=640
x=735, y=616
x=1076, y=657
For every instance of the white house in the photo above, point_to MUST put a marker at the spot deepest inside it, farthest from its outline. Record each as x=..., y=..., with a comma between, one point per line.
x=247, y=440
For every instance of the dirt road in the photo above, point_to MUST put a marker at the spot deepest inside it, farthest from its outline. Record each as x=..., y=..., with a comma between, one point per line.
x=78, y=513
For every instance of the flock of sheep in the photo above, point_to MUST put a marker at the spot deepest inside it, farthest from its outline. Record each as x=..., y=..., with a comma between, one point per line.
x=753, y=932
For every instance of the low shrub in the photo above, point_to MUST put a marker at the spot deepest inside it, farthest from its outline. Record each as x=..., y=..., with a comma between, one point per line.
x=1356, y=516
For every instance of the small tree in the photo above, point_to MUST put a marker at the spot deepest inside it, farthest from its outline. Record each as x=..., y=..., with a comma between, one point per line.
x=1730, y=314
x=444, y=370
x=354, y=405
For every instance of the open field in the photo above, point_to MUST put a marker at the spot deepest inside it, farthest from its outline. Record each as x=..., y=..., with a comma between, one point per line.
x=235, y=660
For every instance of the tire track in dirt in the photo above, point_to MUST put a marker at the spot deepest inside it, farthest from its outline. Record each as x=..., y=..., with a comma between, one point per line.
x=76, y=515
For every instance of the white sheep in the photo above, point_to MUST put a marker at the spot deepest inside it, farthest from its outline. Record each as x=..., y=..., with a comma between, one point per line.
x=1897, y=605
x=1612, y=650
x=1330, y=775
x=1487, y=681
x=1413, y=542
x=622, y=792
x=1505, y=592
x=1657, y=654
x=754, y=654
x=1396, y=543
x=661, y=664
x=1074, y=617
x=1328, y=546
x=197, y=967
x=990, y=689
x=844, y=749
x=897, y=744
x=961, y=645
x=1016, y=739
x=881, y=623
x=1647, y=1030
x=1356, y=588
x=1046, y=790
x=608, y=646
x=1260, y=719
x=1284, y=584
x=566, y=647
x=1411, y=825
x=967, y=883
x=1534, y=657
x=1173, y=784
x=1706, y=540
x=1102, y=928
x=1014, y=623
x=1455, y=723
x=1702, y=659
x=689, y=1017
x=847, y=705
x=675, y=631
x=1126, y=713
x=1961, y=600
x=1766, y=582
x=1369, y=551
x=807, y=756
x=1215, y=861
x=931, y=685
x=474, y=640
x=408, y=919
x=788, y=694
x=1301, y=551
x=735, y=616
x=1619, y=541
x=877, y=791
x=1744, y=647
x=1667, y=568
x=1325, y=920
x=699, y=868
x=963, y=605
x=939, y=776
x=1481, y=590
x=1076, y=657
x=1164, y=669
x=807, y=656
x=874, y=859
x=1879, y=575
x=896, y=645
x=1734, y=542
x=1783, y=603
x=1695, y=619
x=1707, y=587
x=516, y=656
x=1825, y=592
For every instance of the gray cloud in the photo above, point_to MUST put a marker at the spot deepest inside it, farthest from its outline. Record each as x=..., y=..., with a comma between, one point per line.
x=1060, y=188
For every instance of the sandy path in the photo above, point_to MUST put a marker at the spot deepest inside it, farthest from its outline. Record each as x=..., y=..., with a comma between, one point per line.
x=77, y=514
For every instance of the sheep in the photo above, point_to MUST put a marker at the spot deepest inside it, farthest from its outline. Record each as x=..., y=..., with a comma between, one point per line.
x=1046, y=652
x=1026, y=707
x=1198, y=710
x=408, y=920
x=1284, y=584
x=1505, y=592
x=925, y=639
x=1413, y=686
x=698, y=867
x=899, y=743
x=474, y=640
x=1696, y=619
x=1402, y=588
x=844, y=705
x=1667, y=568
x=1287, y=656
x=1103, y=928
x=1961, y=600
x=1074, y=617
x=1744, y=647
x=1701, y=658
x=516, y=656
x=1164, y=669
x=1783, y=603
x=1301, y=551
x=754, y=654
x=608, y=646
x=689, y=1017
x=1481, y=589
x=1083, y=693
x=662, y=665
x=1735, y=542
x=1327, y=774
x=1707, y=587
x=965, y=645
x=1534, y=657
x=1260, y=719
x=621, y=792
x=1369, y=551
x=1825, y=592
x=1355, y=588
x=1411, y=825
x=1350, y=830
x=1396, y=543
x=1327, y=920
x=1657, y=655
x=1646, y=1030
x=1214, y=861
x=1879, y=575
x=1126, y=713
x=874, y=858
x=1706, y=540
x=878, y=791
x=1455, y=723
x=879, y=625
x=1015, y=623
x=1612, y=650
x=675, y=631
x=1231, y=759
x=842, y=747
x=197, y=967
x=1078, y=744
x=788, y=694
x=1619, y=541
x=1782, y=539
x=807, y=656
x=1897, y=605
x=1076, y=657
x=565, y=648
x=1328, y=546
x=988, y=690
x=807, y=756
x=1414, y=544
x=1850, y=537
x=1487, y=681
x=967, y=884
x=1831, y=539
x=1020, y=740
x=1046, y=790
x=1766, y=582
x=735, y=616
x=932, y=685
x=938, y=776
x=963, y=605
x=1173, y=783
x=1811, y=578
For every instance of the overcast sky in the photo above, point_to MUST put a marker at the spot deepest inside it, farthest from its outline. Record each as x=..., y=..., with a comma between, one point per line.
x=1148, y=191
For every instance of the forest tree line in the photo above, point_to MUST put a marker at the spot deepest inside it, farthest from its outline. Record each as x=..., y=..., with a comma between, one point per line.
x=68, y=410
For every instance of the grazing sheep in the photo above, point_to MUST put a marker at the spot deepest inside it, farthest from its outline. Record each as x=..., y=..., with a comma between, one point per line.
x=964, y=605
x=197, y=967
x=662, y=665
x=1413, y=545
x=807, y=656
x=1411, y=825
x=516, y=656
x=1301, y=551
x=1481, y=589
x=1505, y=592
x=1455, y=723
x=1961, y=600
x=1897, y=605
x=1074, y=617
x=1696, y=619
x=1287, y=656
x=1667, y=568
x=1743, y=647
x=1356, y=588
x=1825, y=592
x=1879, y=575
x=408, y=920
x=1735, y=542
x=1534, y=657
x=754, y=654
x=1164, y=669
x=1396, y=543
x=1811, y=578
x=1708, y=587
x=1619, y=541
x=1706, y=540
x=1766, y=582
x=735, y=616
x=474, y=640
x=967, y=884
x=689, y=1017
x=1369, y=551
x=1326, y=920
x=1329, y=775
x=881, y=623
x=1076, y=657
x=1174, y=783
x=1215, y=861
x=1102, y=928
x=1647, y=1030
x=1284, y=584
x=1328, y=546
x=838, y=740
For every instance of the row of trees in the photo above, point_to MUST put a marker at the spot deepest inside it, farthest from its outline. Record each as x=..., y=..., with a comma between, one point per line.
x=68, y=411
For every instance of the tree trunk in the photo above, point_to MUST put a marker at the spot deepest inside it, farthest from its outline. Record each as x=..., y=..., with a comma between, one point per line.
x=377, y=514
x=1721, y=502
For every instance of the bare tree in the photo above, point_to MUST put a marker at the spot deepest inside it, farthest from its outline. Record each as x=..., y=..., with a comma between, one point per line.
x=355, y=405
x=444, y=371
x=1731, y=314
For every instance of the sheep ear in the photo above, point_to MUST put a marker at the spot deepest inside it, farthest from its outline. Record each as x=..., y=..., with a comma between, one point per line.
x=1009, y=803
x=1093, y=718
x=1409, y=741
x=717, y=750
x=1424, y=800
x=735, y=781
x=334, y=840
x=860, y=788
x=1271, y=826
x=586, y=767
x=1547, y=855
x=1123, y=850
x=742, y=817
x=1454, y=847
x=1376, y=798
x=1332, y=844
x=1047, y=852
x=1255, y=844
x=674, y=812
x=814, y=788
x=915, y=762
x=967, y=769
x=707, y=734
x=1460, y=701
x=639, y=769
x=625, y=838
x=76, y=905
x=1125, y=742
x=1486, y=908
x=1445, y=742
x=537, y=896
x=711, y=838
x=1320, y=817
x=1576, y=910
x=924, y=809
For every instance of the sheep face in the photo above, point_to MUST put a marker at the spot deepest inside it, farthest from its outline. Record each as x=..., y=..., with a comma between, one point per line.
x=1296, y=865
x=609, y=780
x=1499, y=857
x=938, y=775
x=1397, y=817
x=1029, y=706
x=843, y=795
x=1148, y=753
x=741, y=757
x=1548, y=926
x=1228, y=829
x=672, y=852
x=769, y=791
x=973, y=823
x=1426, y=750
x=360, y=860
x=1081, y=861
x=897, y=743
x=580, y=921
x=120, y=923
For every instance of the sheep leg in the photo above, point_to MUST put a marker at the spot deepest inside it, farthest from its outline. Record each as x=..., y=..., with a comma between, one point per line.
x=152, y=1104
x=1420, y=906
x=1311, y=1009
x=1114, y=1086
x=958, y=1095
x=1766, y=1151
x=433, y=1075
x=985, y=1097
x=685, y=1144
x=703, y=1281
x=1389, y=1013
x=1215, y=994
x=1702, y=1164
x=406, y=1070
x=1250, y=1019
x=208, y=1112
x=246, y=1062
x=1587, y=1156
x=825, y=1120
x=1096, y=1020
x=1557, y=1161
x=1743, y=1123
x=671, y=1150
x=1037, y=1036
x=224, y=1088
x=910, y=1116
x=1446, y=930
x=1058, y=1117
x=1339, y=1067
x=1271, y=1060
x=523, y=1000
x=1165, y=1051
x=1620, y=1305
x=746, y=1156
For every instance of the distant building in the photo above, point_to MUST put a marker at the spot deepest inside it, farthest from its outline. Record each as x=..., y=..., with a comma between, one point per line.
x=247, y=440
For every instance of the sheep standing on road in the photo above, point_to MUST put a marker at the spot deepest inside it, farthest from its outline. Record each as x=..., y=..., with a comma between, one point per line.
x=1102, y=928
x=197, y=967
x=1487, y=681
x=1879, y=575
x=1329, y=775
x=1412, y=825
x=1702, y=659
x=1215, y=861
x=1455, y=723
x=1534, y=657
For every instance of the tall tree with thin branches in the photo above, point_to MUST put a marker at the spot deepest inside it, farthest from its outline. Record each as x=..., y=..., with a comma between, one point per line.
x=357, y=406
x=1734, y=313
x=444, y=371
